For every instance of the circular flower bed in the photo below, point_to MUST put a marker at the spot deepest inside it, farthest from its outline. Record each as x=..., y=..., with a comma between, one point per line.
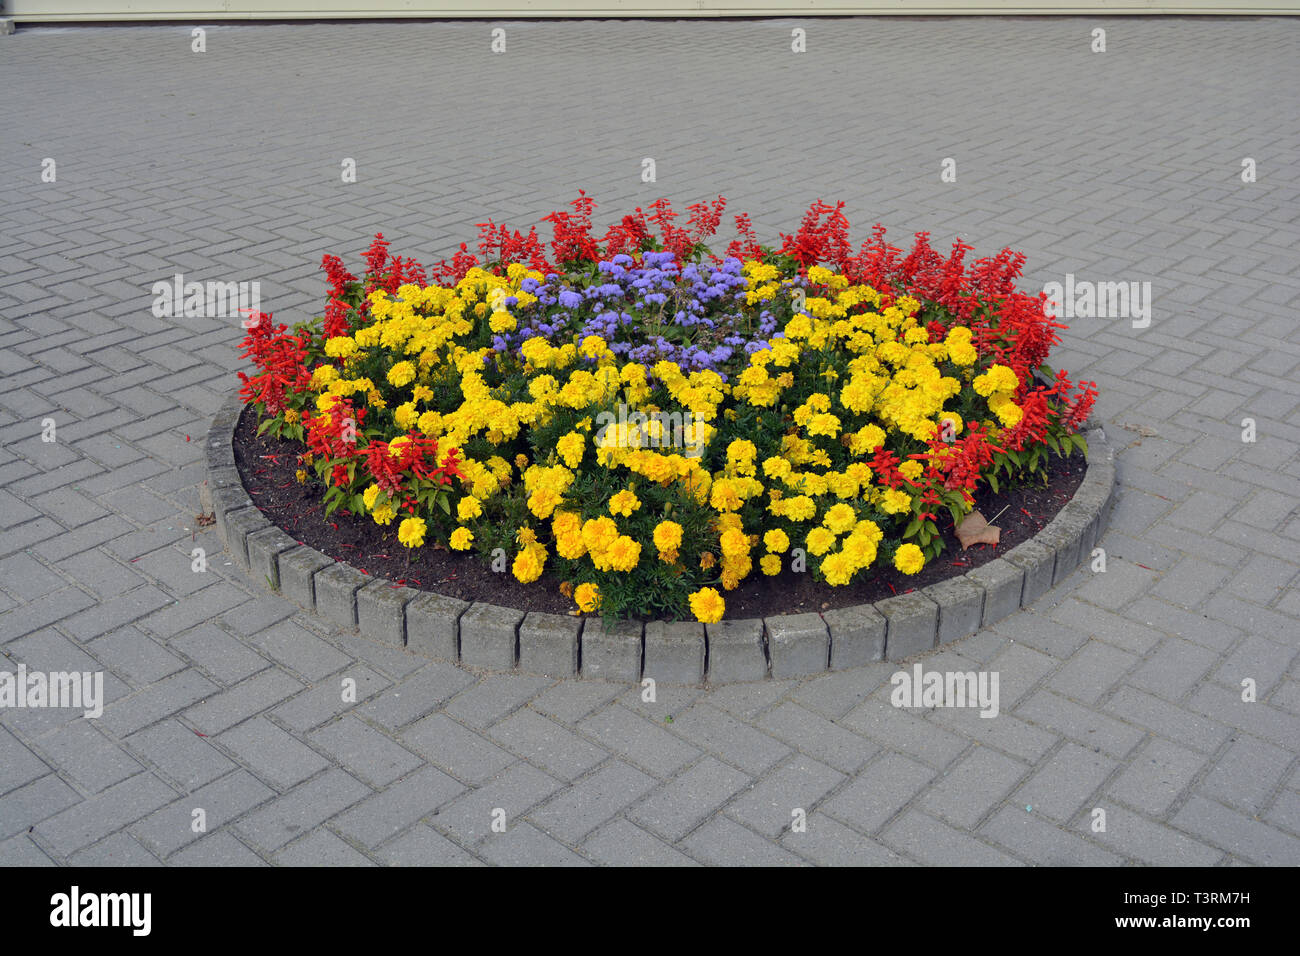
x=653, y=423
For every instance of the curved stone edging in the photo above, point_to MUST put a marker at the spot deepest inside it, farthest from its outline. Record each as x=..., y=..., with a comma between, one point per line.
x=556, y=645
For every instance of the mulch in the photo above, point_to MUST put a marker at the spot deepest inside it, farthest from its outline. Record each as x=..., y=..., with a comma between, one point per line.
x=268, y=467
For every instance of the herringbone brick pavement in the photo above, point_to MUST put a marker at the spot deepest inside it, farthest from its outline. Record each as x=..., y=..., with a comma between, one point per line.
x=1120, y=691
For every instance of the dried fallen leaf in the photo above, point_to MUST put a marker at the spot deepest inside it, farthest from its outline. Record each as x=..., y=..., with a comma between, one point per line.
x=975, y=529
x=204, y=520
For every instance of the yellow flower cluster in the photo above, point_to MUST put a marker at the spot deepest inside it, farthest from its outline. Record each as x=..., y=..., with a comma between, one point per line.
x=851, y=372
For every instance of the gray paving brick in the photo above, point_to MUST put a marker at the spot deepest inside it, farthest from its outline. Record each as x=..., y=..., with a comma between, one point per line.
x=88, y=757
x=415, y=696
x=175, y=826
x=118, y=850
x=21, y=765
x=711, y=729
x=1061, y=787
x=306, y=806
x=624, y=844
x=363, y=751
x=1247, y=774
x=219, y=849
x=321, y=848
x=974, y=786
x=300, y=651
x=469, y=818
x=1033, y=838
x=271, y=753
x=691, y=797
x=1168, y=720
x=525, y=845
x=21, y=851
x=646, y=744
x=555, y=749
x=228, y=707
x=221, y=656
x=574, y=813
x=1133, y=836
x=884, y=787
x=1156, y=776
x=1238, y=834
x=91, y=820
x=28, y=805
x=818, y=737
x=906, y=732
x=935, y=843
x=424, y=846
x=496, y=696
x=827, y=842
x=724, y=842
x=388, y=813
x=460, y=751
x=158, y=700
x=313, y=707
x=799, y=783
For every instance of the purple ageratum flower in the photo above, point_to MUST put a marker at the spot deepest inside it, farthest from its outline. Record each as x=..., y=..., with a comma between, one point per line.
x=530, y=285
x=622, y=259
x=569, y=299
x=500, y=344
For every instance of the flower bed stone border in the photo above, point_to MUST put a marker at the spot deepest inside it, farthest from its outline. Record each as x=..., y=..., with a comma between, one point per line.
x=555, y=645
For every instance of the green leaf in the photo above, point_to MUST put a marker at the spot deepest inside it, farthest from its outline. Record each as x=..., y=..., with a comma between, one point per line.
x=445, y=503
x=1082, y=443
x=993, y=482
x=912, y=527
x=1051, y=440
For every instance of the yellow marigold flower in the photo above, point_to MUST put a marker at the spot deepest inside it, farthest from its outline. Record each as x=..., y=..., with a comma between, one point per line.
x=624, y=503
x=840, y=518
x=895, y=502
x=521, y=461
x=411, y=532
x=502, y=321
x=405, y=415
x=401, y=374
x=566, y=588
x=570, y=449
x=369, y=496
x=770, y=564
x=597, y=533
x=869, y=530
x=707, y=560
x=775, y=467
x=734, y=542
x=528, y=564
x=668, y=536
x=461, y=539
x=469, y=508
x=909, y=559
x=383, y=515
x=724, y=495
x=776, y=541
x=322, y=375
x=623, y=553
x=707, y=605
x=912, y=469
x=340, y=346
x=429, y=422
x=587, y=597
x=301, y=475
x=820, y=540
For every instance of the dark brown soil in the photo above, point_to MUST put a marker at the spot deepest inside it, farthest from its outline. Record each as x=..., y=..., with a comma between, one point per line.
x=267, y=466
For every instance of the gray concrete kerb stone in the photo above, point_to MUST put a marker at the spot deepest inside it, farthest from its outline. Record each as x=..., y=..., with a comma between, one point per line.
x=497, y=638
